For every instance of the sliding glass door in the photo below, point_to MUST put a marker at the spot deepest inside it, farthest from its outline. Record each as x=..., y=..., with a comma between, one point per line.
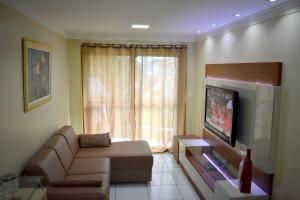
x=156, y=99
x=134, y=94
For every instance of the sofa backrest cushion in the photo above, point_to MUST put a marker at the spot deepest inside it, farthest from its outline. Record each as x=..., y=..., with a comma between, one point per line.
x=59, y=144
x=94, y=140
x=72, y=139
x=46, y=163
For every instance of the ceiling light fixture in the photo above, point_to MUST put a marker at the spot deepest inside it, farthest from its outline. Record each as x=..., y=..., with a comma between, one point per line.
x=140, y=26
x=198, y=31
x=213, y=25
x=237, y=14
x=272, y=0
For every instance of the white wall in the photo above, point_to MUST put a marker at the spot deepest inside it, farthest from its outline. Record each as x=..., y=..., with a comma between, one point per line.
x=191, y=64
x=22, y=134
x=275, y=40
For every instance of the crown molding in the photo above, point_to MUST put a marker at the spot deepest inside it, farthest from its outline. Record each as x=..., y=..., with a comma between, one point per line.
x=279, y=10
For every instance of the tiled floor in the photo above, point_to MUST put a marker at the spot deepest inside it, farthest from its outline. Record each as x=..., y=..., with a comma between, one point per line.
x=168, y=183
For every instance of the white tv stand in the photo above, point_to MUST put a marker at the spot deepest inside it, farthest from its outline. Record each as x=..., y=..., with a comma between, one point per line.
x=225, y=188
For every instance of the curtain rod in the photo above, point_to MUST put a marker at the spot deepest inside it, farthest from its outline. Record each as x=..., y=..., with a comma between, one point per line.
x=135, y=46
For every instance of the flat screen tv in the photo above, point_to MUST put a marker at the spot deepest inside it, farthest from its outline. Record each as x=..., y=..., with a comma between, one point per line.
x=221, y=109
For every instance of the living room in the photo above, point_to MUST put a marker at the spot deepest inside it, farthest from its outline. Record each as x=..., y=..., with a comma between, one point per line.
x=202, y=34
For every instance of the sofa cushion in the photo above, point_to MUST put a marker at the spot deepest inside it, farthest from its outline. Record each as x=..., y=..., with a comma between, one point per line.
x=94, y=140
x=46, y=163
x=72, y=139
x=59, y=144
x=123, y=155
x=90, y=193
x=90, y=166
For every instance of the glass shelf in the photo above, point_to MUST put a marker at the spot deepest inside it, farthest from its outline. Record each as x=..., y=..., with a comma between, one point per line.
x=27, y=185
x=208, y=167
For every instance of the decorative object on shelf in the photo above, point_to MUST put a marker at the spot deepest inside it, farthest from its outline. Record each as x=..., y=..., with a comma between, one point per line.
x=36, y=74
x=9, y=186
x=246, y=174
x=243, y=155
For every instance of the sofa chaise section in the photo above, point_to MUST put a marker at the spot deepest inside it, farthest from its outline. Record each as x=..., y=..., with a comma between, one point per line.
x=131, y=161
x=72, y=172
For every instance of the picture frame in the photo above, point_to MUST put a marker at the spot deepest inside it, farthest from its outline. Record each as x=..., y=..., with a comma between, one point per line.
x=36, y=74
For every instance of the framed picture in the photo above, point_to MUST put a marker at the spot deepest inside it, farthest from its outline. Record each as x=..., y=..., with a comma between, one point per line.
x=36, y=74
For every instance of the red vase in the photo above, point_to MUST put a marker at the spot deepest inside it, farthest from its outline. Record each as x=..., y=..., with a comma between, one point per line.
x=246, y=176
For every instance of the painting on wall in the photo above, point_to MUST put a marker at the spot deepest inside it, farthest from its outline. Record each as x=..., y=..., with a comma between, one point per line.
x=36, y=74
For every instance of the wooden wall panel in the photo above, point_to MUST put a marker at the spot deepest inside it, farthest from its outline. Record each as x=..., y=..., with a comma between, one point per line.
x=264, y=73
x=261, y=178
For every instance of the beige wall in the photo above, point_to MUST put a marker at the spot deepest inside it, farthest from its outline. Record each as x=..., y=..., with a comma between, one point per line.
x=76, y=111
x=276, y=40
x=23, y=133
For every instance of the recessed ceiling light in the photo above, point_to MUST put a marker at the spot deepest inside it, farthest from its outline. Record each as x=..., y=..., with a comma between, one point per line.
x=237, y=14
x=213, y=25
x=140, y=26
x=272, y=0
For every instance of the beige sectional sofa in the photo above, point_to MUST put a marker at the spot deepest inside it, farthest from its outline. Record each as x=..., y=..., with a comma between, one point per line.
x=75, y=173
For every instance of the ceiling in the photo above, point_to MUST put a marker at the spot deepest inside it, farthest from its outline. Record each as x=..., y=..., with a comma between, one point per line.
x=181, y=18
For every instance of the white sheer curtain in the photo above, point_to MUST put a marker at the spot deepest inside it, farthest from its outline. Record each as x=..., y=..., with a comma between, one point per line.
x=135, y=93
x=108, y=77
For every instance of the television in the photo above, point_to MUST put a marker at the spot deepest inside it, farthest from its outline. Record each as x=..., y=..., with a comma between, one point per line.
x=221, y=110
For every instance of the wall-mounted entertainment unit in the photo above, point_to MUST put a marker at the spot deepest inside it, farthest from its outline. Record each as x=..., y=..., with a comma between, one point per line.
x=213, y=169
x=258, y=86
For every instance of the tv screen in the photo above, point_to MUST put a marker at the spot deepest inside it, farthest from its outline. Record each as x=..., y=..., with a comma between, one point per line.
x=221, y=112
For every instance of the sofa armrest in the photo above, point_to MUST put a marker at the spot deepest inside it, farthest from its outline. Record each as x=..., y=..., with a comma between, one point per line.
x=77, y=183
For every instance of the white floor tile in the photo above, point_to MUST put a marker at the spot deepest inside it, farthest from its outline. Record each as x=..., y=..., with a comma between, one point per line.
x=158, y=162
x=157, y=155
x=158, y=159
x=174, y=167
x=112, y=192
x=187, y=191
x=180, y=178
x=131, y=191
x=168, y=158
x=167, y=155
x=162, y=179
x=167, y=192
x=168, y=183
x=161, y=167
